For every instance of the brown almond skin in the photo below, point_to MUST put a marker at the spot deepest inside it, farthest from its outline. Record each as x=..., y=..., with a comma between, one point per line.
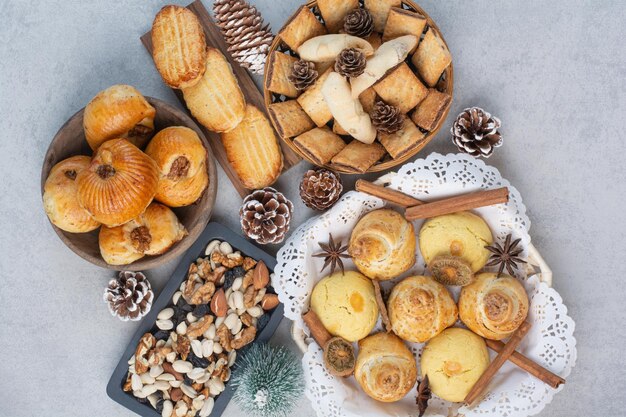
x=261, y=276
x=167, y=367
x=176, y=394
x=269, y=301
x=219, y=306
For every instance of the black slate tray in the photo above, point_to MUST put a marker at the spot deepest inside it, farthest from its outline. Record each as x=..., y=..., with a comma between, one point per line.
x=212, y=231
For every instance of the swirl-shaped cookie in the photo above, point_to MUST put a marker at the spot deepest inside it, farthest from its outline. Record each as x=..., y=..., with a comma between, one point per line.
x=385, y=367
x=420, y=308
x=493, y=307
x=382, y=244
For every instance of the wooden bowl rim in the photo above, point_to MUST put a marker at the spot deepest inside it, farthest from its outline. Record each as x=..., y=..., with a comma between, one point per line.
x=267, y=96
x=147, y=262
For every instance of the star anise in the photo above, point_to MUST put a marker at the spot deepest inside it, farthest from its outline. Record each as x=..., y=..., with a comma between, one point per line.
x=423, y=395
x=506, y=256
x=332, y=254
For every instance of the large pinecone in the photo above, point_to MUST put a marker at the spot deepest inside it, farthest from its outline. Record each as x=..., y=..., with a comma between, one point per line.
x=320, y=188
x=247, y=38
x=265, y=216
x=129, y=295
x=350, y=63
x=386, y=118
x=303, y=74
x=359, y=23
x=476, y=132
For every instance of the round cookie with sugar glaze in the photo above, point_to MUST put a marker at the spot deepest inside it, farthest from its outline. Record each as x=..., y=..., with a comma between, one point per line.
x=346, y=305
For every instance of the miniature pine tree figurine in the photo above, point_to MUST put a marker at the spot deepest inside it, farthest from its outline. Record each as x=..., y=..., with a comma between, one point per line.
x=268, y=380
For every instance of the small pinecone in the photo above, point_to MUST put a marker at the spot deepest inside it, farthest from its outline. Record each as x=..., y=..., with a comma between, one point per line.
x=386, y=118
x=129, y=296
x=265, y=216
x=358, y=23
x=350, y=63
x=248, y=39
x=320, y=188
x=476, y=132
x=303, y=74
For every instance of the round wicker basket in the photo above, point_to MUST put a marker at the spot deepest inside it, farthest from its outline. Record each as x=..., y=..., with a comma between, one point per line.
x=446, y=84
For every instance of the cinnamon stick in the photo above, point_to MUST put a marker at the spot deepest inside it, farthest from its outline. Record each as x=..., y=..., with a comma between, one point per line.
x=528, y=365
x=386, y=194
x=382, y=308
x=458, y=203
x=317, y=329
x=497, y=363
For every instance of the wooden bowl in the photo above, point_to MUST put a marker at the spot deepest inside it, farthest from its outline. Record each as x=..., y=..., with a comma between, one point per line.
x=70, y=141
x=446, y=85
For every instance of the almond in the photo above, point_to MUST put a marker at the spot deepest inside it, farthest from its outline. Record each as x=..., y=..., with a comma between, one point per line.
x=261, y=276
x=219, y=306
x=269, y=301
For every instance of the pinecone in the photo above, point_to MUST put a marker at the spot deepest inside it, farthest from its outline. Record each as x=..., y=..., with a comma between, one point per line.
x=386, y=118
x=303, y=74
x=358, y=23
x=129, y=296
x=350, y=63
x=265, y=216
x=476, y=132
x=247, y=38
x=320, y=188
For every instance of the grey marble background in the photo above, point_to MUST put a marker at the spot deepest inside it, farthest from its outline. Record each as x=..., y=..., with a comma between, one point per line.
x=554, y=72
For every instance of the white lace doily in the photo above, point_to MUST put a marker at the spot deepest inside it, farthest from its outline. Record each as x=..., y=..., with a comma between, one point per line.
x=513, y=392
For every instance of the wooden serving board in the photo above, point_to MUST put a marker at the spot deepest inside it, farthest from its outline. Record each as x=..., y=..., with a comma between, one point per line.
x=250, y=91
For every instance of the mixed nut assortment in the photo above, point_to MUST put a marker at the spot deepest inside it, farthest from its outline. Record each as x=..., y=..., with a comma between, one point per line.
x=183, y=364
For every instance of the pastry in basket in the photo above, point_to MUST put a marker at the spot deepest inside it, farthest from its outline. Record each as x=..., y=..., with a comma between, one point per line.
x=419, y=308
x=358, y=157
x=289, y=118
x=253, y=151
x=118, y=184
x=387, y=56
x=313, y=103
x=327, y=47
x=401, y=88
x=60, y=200
x=279, y=69
x=461, y=234
x=334, y=12
x=347, y=110
x=403, y=141
x=319, y=144
x=151, y=233
x=181, y=160
x=179, y=47
x=493, y=307
x=431, y=109
x=385, y=367
x=431, y=58
x=300, y=28
x=120, y=111
x=382, y=244
x=403, y=22
x=453, y=361
x=379, y=9
x=346, y=305
x=216, y=100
